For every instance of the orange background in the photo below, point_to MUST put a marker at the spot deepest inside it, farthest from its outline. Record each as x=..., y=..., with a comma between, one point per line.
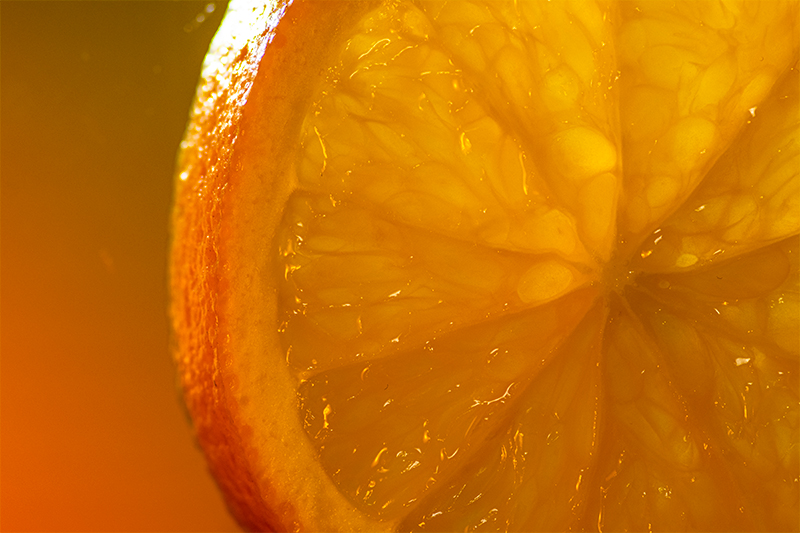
x=94, y=98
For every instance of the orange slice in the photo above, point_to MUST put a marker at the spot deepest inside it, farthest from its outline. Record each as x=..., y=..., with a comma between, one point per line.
x=495, y=265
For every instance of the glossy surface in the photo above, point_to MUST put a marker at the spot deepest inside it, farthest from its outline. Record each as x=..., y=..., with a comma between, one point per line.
x=526, y=266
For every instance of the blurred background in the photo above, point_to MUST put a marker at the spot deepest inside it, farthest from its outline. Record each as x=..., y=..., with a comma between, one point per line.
x=94, y=98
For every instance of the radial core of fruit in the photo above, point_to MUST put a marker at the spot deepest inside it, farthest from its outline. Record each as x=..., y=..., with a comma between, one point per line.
x=536, y=268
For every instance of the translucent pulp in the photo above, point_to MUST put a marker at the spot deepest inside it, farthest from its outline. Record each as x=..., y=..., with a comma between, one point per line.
x=541, y=268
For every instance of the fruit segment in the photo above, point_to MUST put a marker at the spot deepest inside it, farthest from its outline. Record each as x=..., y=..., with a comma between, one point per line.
x=731, y=346
x=392, y=430
x=750, y=198
x=547, y=71
x=657, y=472
x=409, y=126
x=533, y=475
x=691, y=74
x=364, y=287
x=753, y=297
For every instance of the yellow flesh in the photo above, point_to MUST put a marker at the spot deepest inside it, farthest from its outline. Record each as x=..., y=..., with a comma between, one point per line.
x=541, y=267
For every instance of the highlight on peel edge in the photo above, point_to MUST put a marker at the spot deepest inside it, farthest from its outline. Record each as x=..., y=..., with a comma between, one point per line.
x=495, y=265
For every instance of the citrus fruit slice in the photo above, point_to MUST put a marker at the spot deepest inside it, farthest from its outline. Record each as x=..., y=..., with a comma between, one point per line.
x=495, y=265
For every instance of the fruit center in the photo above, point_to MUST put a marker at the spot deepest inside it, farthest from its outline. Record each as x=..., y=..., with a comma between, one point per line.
x=616, y=275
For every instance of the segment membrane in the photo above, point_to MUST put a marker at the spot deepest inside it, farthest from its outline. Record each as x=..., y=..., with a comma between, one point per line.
x=691, y=72
x=657, y=471
x=750, y=198
x=547, y=72
x=718, y=331
x=365, y=287
x=752, y=299
x=391, y=430
x=410, y=127
x=533, y=472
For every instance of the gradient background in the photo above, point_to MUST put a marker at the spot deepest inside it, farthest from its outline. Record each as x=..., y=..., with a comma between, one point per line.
x=94, y=98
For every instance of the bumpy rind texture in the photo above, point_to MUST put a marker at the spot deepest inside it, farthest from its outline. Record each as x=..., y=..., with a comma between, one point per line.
x=205, y=164
x=256, y=83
